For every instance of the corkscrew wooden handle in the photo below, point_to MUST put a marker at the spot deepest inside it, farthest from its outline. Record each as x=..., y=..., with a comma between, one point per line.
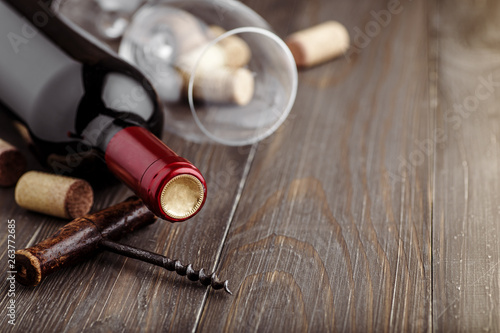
x=79, y=239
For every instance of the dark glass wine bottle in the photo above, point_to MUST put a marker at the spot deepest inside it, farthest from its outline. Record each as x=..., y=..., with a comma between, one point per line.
x=85, y=106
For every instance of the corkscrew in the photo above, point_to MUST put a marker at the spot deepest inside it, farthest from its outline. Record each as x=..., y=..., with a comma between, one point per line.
x=167, y=263
x=95, y=232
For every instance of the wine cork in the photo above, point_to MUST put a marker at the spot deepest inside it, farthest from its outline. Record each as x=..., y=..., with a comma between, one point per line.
x=12, y=164
x=236, y=51
x=188, y=31
x=24, y=132
x=202, y=58
x=54, y=195
x=215, y=82
x=222, y=85
x=318, y=44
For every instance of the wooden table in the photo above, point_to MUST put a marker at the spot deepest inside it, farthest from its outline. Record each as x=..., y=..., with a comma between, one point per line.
x=373, y=208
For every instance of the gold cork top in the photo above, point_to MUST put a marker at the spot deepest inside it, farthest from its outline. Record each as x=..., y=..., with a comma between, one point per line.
x=182, y=196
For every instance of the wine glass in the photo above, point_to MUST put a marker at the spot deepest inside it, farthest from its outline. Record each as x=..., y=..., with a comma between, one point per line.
x=220, y=71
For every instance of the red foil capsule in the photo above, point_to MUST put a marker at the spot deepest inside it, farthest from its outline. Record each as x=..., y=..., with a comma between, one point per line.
x=169, y=185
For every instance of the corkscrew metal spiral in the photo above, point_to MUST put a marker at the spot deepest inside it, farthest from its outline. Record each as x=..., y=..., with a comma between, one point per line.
x=167, y=263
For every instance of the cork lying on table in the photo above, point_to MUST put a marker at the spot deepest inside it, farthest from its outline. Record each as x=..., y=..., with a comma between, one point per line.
x=318, y=44
x=54, y=195
x=12, y=164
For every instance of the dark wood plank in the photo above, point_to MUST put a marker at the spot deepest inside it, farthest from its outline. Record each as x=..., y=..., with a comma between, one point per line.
x=111, y=293
x=333, y=231
x=466, y=210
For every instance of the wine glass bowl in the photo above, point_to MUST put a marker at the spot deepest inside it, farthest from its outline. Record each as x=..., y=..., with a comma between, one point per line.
x=220, y=72
x=259, y=105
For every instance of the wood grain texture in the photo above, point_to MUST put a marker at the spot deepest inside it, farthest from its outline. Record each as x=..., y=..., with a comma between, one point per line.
x=373, y=208
x=332, y=233
x=466, y=210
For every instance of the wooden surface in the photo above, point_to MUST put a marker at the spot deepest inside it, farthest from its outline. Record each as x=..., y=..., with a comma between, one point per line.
x=466, y=256
x=373, y=208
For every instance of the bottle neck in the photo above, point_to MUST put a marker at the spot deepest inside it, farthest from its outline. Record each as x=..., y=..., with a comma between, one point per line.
x=169, y=185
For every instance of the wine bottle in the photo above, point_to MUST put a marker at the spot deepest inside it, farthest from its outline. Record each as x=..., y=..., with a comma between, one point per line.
x=85, y=106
